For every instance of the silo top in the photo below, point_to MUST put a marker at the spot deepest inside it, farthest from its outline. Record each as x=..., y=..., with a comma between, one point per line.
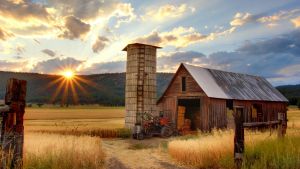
x=139, y=44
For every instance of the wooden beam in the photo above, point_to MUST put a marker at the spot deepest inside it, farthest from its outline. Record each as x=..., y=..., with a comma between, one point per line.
x=260, y=124
x=238, y=136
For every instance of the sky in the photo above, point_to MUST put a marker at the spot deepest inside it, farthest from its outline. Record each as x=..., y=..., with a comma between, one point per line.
x=254, y=37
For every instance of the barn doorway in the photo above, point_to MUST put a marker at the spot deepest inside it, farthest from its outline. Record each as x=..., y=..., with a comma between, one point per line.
x=188, y=110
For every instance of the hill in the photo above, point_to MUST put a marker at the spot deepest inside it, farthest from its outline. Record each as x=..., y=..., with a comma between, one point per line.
x=292, y=92
x=104, y=89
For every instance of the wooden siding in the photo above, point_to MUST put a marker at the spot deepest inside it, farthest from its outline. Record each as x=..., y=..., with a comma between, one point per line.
x=212, y=111
x=270, y=110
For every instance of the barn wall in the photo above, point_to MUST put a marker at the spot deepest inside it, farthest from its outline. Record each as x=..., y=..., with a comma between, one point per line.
x=168, y=103
x=270, y=110
x=217, y=114
x=212, y=111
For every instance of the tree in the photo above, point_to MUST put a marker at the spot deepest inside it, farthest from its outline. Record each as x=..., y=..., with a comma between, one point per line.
x=40, y=104
x=298, y=104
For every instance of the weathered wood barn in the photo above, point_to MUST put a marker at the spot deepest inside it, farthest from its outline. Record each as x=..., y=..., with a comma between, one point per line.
x=208, y=97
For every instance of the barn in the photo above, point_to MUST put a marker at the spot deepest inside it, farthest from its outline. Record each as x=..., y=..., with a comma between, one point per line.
x=207, y=97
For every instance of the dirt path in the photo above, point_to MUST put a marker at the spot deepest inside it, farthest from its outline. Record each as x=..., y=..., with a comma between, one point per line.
x=133, y=154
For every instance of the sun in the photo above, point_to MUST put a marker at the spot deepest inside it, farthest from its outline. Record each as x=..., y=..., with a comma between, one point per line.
x=68, y=74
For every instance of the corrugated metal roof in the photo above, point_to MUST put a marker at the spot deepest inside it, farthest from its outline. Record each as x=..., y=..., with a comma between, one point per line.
x=229, y=85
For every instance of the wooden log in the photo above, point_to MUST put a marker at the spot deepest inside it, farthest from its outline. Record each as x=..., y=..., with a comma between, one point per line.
x=238, y=136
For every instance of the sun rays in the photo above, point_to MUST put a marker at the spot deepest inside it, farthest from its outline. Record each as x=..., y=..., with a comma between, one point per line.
x=67, y=85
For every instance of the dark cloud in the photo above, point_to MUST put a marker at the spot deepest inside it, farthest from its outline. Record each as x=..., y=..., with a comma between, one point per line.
x=4, y=35
x=100, y=44
x=171, y=62
x=37, y=41
x=49, y=52
x=20, y=49
x=84, y=9
x=75, y=28
x=56, y=65
x=277, y=59
x=106, y=67
x=12, y=66
x=23, y=10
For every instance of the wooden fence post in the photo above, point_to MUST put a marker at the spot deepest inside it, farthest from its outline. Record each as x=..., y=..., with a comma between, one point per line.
x=238, y=136
x=281, y=129
x=12, y=133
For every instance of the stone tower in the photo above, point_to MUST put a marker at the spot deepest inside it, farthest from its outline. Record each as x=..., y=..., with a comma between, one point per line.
x=140, y=94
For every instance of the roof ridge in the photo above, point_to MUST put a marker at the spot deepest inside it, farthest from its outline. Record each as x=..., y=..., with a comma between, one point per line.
x=213, y=69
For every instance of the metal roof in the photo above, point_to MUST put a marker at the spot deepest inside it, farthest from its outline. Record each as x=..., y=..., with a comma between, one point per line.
x=125, y=49
x=237, y=86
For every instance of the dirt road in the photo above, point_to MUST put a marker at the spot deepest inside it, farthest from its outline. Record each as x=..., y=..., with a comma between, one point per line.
x=134, y=154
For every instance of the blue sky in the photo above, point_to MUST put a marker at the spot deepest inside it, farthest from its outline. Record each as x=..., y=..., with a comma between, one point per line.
x=87, y=36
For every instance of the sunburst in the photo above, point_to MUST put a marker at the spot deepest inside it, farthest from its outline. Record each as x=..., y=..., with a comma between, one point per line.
x=69, y=84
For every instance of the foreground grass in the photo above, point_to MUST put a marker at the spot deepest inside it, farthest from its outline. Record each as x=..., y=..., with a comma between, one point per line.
x=274, y=154
x=50, y=151
x=262, y=150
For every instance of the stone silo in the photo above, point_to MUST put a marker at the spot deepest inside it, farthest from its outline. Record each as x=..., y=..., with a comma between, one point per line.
x=140, y=94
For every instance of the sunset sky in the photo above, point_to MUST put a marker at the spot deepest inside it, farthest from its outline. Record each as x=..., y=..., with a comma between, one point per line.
x=254, y=37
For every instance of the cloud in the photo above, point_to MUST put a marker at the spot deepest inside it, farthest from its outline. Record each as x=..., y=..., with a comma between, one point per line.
x=23, y=10
x=241, y=19
x=100, y=44
x=12, y=66
x=56, y=65
x=5, y=35
x=91, y=10
x=20, y=49
x=49, y=52
x=124, y=13
x=106, y=67
x=75, y=28
x=278, y=16
x=83, y=9
x=167, y=11
x=180, y=37
x=296, y=22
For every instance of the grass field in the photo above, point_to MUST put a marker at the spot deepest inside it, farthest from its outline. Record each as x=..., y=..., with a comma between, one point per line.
x=79, y=118
x=262, y=149
x=61, y=130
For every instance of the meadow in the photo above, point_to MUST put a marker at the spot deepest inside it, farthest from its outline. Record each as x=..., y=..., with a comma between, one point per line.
x=262, y=149
x=58, y=137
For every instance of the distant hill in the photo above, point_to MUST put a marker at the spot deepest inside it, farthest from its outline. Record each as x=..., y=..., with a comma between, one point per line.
x=291, y=92
x=104, y=89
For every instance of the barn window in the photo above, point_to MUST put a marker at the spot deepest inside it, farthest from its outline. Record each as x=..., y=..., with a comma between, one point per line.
x=183, y=84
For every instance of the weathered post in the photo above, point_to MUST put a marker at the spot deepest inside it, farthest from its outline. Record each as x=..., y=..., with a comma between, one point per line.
x=238, y=136
x=12, y=133
x=281, y=122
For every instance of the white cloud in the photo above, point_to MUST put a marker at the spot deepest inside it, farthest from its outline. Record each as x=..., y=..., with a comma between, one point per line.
x=167, y=11
x=241, y=18
x=180, y=37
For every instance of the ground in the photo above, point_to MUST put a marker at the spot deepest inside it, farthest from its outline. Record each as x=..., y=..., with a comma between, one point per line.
x=120, y=153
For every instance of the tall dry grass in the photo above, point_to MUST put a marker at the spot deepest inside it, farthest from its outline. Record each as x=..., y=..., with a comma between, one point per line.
x=211, y=150
x=52, y=151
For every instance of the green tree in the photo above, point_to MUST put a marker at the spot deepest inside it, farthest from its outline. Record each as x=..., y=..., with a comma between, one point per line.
x=298, y=104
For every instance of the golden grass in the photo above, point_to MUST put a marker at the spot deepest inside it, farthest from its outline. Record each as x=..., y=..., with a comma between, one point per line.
x=73, y=113
x=208, y=150
x=81, y=119
x=62, y=152
x=216, y=150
